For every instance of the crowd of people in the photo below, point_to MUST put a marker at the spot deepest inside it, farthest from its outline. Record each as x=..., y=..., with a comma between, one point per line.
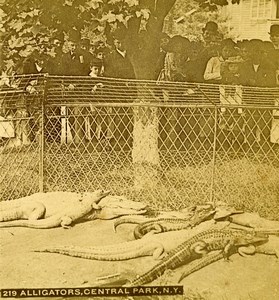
x=222, y=61
x=213, y=60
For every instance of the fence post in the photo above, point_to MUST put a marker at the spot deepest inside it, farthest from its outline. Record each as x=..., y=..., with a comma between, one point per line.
x=212, y=187
x=42, y=137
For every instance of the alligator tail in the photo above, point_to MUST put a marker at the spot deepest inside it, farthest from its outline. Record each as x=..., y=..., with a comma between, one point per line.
x=9, y=215
x=108, y=253
x=196, y=265
x=36, y=224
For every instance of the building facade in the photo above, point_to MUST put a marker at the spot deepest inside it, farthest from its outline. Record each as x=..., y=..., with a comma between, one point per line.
x=251, y=19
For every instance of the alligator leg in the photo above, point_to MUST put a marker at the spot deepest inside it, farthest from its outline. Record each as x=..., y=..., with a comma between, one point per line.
x=66, y=222
x=159, y=252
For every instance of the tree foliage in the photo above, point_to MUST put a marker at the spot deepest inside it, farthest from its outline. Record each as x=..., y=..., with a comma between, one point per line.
x=28, y=25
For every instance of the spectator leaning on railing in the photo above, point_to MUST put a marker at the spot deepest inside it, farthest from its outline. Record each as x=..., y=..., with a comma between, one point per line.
x=215, y=65
x=257, y=70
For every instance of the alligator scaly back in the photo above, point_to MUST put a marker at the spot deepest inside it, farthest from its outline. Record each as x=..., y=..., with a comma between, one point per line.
x=82, y=208
x=164, y=224
x=198, y=245
x=156, y=245
x=121, y=251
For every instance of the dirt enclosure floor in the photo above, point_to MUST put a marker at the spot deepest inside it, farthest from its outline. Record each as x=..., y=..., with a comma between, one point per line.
x=246, y=278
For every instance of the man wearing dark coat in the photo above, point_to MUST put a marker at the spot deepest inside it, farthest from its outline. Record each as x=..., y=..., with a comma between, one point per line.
x=257, y=71
x=117, y=64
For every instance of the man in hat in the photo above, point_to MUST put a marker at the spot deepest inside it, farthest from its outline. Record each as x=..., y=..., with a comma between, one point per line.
x=211, y=40
x=274, y=35
x=211, y=34
x=75, y=61
x=257, y=71
x=85, y=57
x=117, y=64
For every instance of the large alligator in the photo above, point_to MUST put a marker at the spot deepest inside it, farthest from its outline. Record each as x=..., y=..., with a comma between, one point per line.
x=14, y=210
x=198, y=245
x=87, y=204
x=269, y=248
x=157, y=245
x=63, y=208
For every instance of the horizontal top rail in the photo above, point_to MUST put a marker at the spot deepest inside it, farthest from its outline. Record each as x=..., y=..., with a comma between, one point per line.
x=85, y=89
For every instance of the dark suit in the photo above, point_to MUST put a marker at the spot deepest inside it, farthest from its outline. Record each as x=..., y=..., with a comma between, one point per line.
x=117, y=66
x=263, y=77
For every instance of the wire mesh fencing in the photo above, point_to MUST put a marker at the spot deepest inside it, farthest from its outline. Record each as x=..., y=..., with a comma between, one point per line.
x=21, y=100
x=167, y=144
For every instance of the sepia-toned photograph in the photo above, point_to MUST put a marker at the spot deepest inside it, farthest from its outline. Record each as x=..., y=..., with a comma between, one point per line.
x=139, y=149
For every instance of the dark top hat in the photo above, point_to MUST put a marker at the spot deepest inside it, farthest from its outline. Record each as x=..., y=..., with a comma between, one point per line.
x=274, y=29
x=210, y=26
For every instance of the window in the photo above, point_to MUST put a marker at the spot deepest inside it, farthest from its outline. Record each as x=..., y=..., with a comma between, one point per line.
x=261, y=9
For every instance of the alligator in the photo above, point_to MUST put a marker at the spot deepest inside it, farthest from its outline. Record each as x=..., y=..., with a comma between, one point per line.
x=87, y=204
x=176, y=220
x=156, y=245
x=186, y=213
x=271, y=247
x=170, y=221
x=56, y=203
x=12, y=210
x=170, y=224
x=197, y=246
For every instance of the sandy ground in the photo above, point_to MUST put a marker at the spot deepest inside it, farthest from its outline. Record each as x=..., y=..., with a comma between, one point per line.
x=255, y=277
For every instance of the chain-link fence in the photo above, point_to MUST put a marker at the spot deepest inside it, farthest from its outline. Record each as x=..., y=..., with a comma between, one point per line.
x=21, y=101
x=186, y=142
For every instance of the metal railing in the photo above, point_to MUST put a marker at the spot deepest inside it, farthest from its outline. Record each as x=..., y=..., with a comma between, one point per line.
x=196, y=142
